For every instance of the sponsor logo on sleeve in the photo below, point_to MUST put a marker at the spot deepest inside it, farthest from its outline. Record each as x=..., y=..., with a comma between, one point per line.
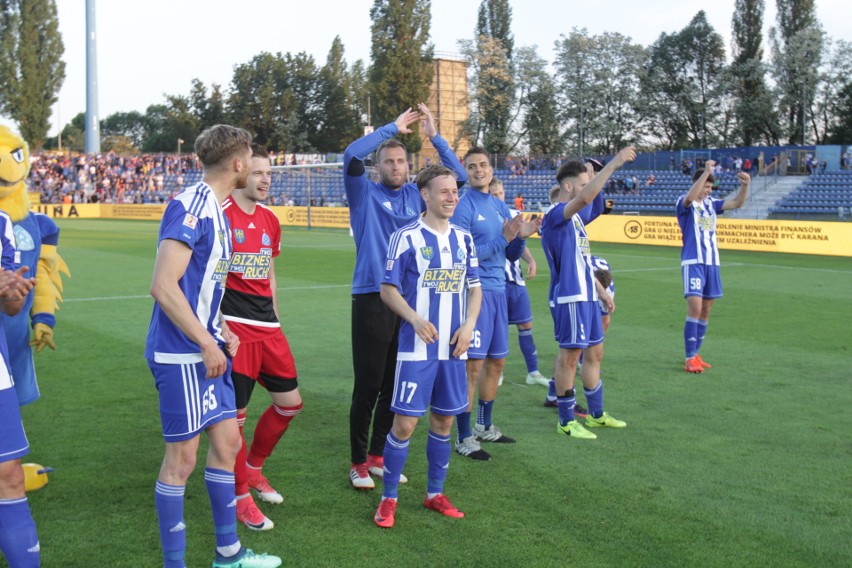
x=190, y=220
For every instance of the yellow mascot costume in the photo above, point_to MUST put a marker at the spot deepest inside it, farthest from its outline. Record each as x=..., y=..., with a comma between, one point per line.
x=36, y=239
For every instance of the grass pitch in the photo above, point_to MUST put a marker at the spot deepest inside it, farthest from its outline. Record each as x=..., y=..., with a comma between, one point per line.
x=746, y=465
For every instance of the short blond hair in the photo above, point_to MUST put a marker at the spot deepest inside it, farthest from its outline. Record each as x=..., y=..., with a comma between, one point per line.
x=554, y=192
x=221, y=142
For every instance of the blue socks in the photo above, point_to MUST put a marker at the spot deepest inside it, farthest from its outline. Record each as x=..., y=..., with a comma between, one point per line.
x=483, y=413
x=594, y=398
x=527, y=344
x=690, y=337
x=551, y=389
x=438, y=456
x=18, y=537
x=702, y=329
x=395, y=456
x=169, y=501
x=463, y=426
x=220, y=489
x=565, y=406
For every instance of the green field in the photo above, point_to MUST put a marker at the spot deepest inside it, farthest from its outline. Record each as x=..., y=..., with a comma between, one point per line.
x=749, y=464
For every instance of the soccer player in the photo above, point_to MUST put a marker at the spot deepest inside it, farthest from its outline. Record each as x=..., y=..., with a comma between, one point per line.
x=376, y=210
x=518, y=300
x=250, y=306
x=18, y=536
x=606, y=299
x=188, y=350
x=573, y=293
x=431, y=281
x=498, y=237
x=699, y=259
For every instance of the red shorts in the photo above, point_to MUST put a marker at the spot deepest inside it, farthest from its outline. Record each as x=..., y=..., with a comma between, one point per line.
x=270, y=358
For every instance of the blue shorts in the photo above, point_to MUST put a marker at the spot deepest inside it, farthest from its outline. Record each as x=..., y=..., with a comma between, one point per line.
x=577, y=325
x=13, y=442
x=702, y=280
x=190, y=402
x=491, y=335
x=439, y=385
x=518, y=302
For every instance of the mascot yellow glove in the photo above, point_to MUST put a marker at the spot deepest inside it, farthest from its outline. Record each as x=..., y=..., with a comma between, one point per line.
x=46, y=296
x=42, y=337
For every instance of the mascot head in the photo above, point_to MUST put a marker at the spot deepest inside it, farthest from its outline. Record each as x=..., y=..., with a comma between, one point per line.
x=14, y=161
x=14, y=169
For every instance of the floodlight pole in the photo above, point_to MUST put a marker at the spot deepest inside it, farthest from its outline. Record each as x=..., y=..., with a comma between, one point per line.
x=93, y=129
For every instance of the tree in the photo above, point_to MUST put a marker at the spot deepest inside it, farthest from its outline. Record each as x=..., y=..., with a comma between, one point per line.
x=402, y=70
x=338, y=122
x=31, y=66
x=274, y=96
x=131, y=125
x=841, y=130
x=598, y=80
x=492, y=88
x=683, y=85
x=494, y=20
x=754, y=107
x=796, y=67
x=793, y=52
x=492, y=80
x=541, y=125
x=831, y=110
x=208, y=109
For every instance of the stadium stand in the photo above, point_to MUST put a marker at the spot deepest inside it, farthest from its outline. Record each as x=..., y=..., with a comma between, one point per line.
x=820, y=194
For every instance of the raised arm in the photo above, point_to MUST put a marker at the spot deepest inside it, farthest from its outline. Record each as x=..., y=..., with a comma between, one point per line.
x=739, y=199
x=448, y=157
x=593, y=188
x=354, y=172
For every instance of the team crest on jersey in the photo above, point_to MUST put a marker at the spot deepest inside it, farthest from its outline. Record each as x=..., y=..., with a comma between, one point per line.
x=23, y=239
x=460, y=254
x=239, y=236
x=266, y=240
x=190, y=220
x=410, y=212
x=427, y=252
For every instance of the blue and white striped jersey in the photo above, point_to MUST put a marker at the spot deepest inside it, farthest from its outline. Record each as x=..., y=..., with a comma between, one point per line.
x=601, y=263
x=698, y=229
x=566, y=246
x=195, y=218
x=11, y=255
x=514, y=270
x=433, y=272
x=10, y=261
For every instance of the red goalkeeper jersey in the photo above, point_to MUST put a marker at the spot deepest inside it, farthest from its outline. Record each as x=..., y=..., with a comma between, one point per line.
x=247, y=304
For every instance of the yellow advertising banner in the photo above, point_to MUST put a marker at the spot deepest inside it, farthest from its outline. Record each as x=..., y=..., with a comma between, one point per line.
x=152, y=212
x=333, y=217
x=799, y=237
x=70, y=211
